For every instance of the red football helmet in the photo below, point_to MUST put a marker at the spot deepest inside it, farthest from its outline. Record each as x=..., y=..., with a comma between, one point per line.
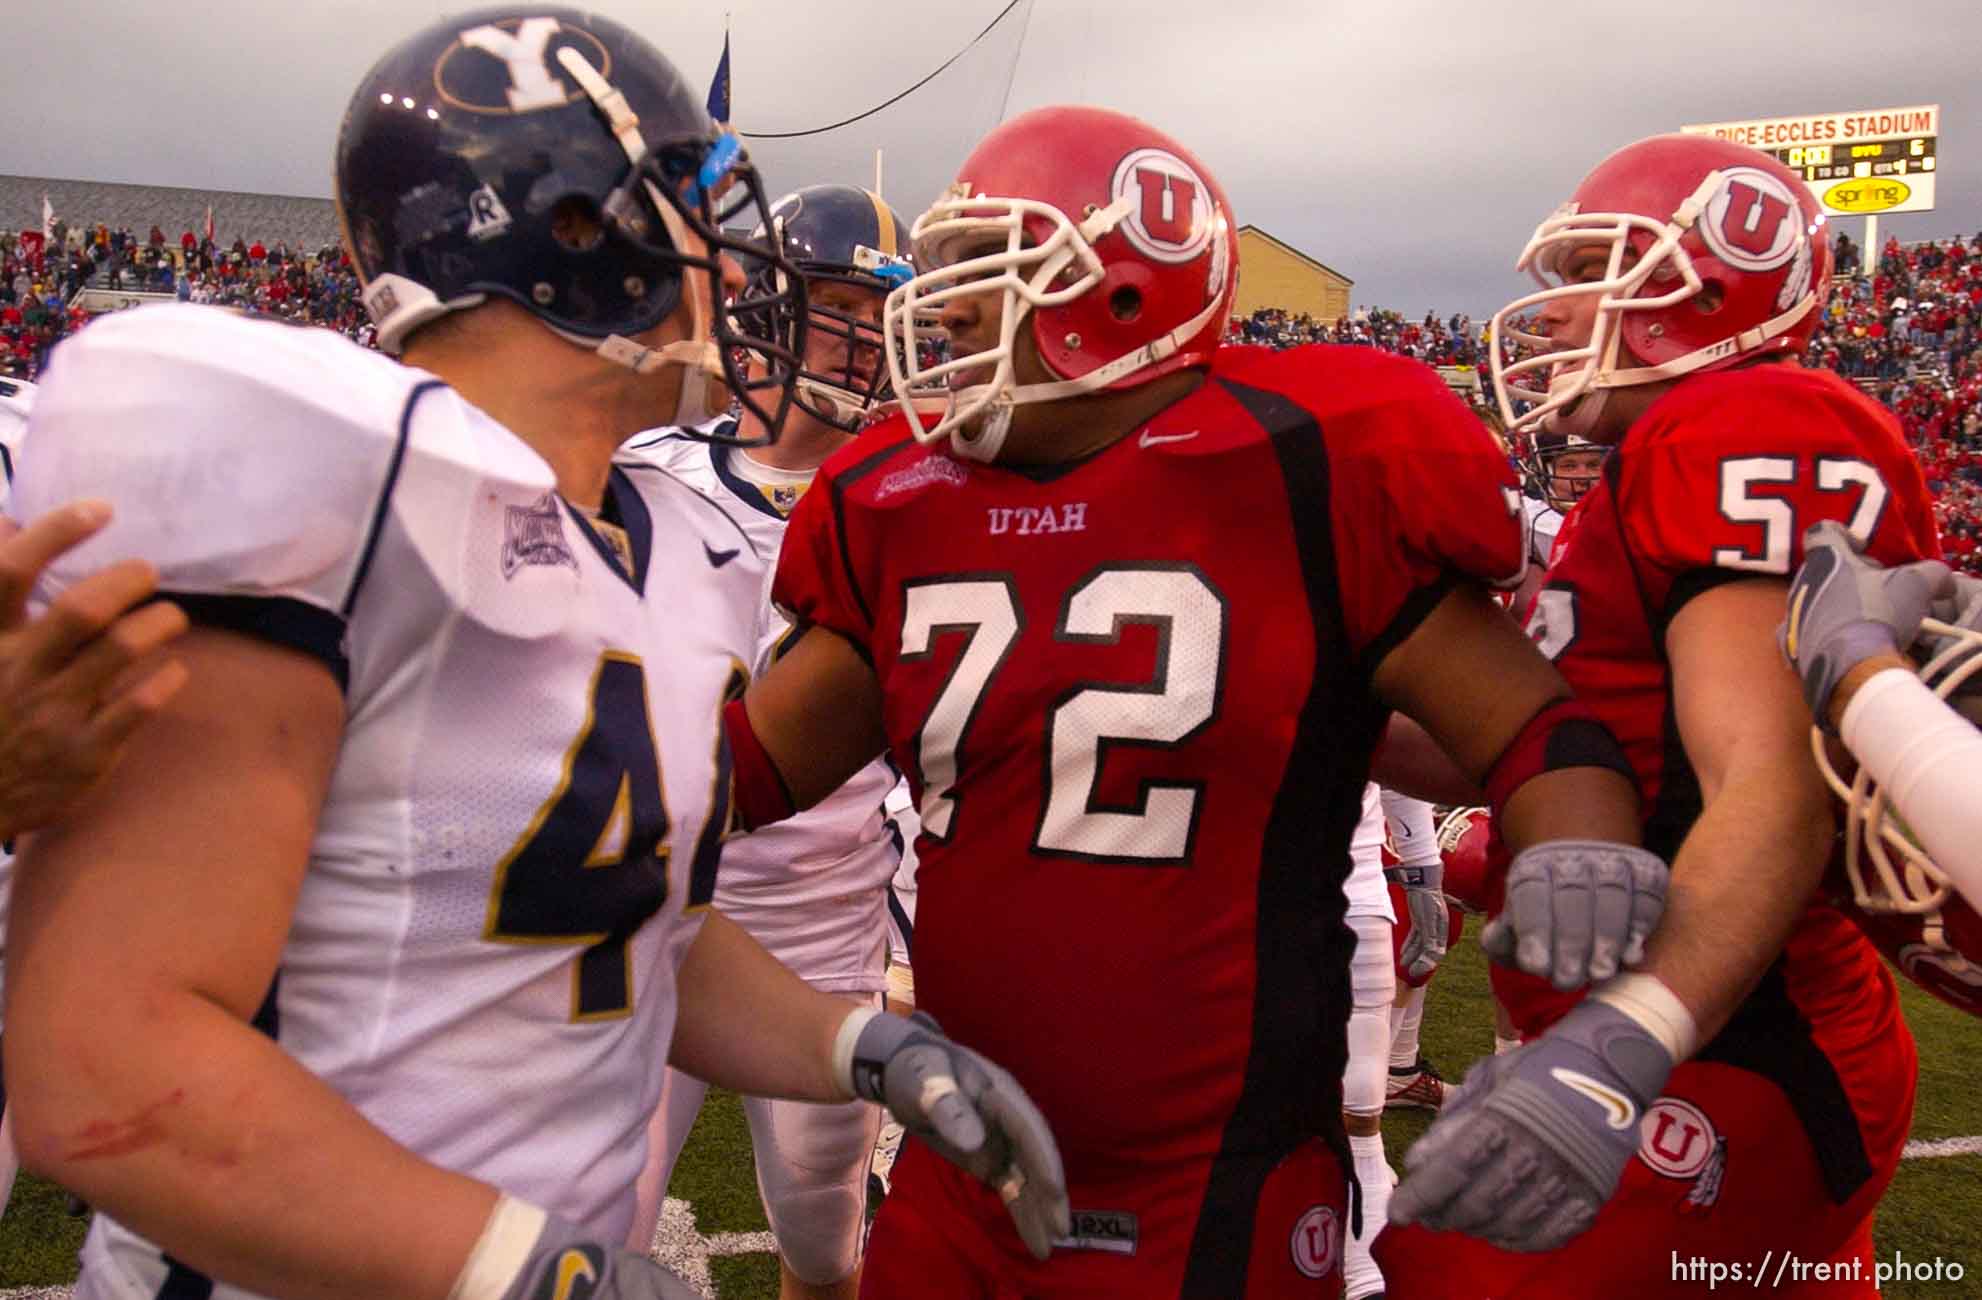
x=1905, y=904
x=1463, y=840
x=1941, y=951
x=1107, y=234
x=1717, y=256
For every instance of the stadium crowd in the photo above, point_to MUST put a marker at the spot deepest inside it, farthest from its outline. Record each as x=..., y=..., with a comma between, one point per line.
x=1908, y=330
x=40, y=281
x=1451, y=342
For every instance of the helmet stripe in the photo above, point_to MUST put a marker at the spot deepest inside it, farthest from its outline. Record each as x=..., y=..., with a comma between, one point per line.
x=884, y=226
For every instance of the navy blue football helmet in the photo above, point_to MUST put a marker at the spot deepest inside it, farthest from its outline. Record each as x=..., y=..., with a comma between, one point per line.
x=1550, y=474
x=848, y=235
x=556, y=159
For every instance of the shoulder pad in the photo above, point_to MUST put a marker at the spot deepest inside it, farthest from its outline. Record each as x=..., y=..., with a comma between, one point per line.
x=242, y=457
x=668, y=448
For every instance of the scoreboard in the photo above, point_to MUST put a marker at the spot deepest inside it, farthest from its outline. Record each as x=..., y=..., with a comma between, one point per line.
x=1836, y=162
x=1857, y=164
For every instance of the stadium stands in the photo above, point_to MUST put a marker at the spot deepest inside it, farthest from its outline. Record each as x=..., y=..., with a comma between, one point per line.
x=1908, y=330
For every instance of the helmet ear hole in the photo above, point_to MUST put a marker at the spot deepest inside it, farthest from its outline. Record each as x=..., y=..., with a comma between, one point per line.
x=1125, y=304
x=576, y=223
x=1709, y=299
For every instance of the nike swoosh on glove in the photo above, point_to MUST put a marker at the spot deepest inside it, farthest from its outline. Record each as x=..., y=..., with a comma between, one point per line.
x=1575, y=911
x=970, y=1112
x=566, y=1263
x=1535, y=1141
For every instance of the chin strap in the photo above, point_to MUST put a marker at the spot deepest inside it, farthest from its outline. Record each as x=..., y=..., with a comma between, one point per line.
x=1150, y=354
x=696, y=355
x=984, y=438
x=996, y=422
x=1746, y=341
x=398, y=306
x=836, y=404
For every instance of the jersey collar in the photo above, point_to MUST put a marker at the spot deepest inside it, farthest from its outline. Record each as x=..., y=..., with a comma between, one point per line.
x=623, y=506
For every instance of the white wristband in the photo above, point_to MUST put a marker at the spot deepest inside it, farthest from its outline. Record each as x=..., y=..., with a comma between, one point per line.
x=843, y=1043
x=504, y=1248
x=1656, y=1009
x=1867, y=701
x=1925, y=755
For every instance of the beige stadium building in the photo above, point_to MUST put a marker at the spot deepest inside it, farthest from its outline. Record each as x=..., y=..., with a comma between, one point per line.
x=1273, y=274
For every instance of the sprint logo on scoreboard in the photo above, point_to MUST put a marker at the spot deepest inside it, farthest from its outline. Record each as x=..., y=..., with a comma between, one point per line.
x=1857, y=164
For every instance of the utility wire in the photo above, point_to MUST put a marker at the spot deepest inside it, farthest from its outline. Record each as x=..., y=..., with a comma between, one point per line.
x=821, y=130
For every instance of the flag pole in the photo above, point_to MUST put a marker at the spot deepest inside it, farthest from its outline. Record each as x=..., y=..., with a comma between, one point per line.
x=877, y=174
x=719, y=86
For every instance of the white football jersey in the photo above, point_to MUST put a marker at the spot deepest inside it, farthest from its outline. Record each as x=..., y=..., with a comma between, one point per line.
x=524, y=822
x=1544, y=521
x=904, y=826
x=812, y=888
x=16, y=395
x=1369, y=894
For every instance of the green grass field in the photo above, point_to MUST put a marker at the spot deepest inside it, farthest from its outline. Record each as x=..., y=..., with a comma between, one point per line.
x=1933, y=1209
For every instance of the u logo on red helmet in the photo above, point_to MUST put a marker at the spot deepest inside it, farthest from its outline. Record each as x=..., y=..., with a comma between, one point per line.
x=1172, y=217
x=1753, y=221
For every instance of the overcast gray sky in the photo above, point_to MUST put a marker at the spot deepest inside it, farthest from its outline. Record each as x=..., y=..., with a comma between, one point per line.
x=1410, y=144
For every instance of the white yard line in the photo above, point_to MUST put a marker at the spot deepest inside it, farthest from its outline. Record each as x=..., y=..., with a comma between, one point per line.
x=678, y=1245
x=1967, y=1146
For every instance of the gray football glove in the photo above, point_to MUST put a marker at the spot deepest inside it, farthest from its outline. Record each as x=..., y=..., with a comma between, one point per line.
x=1844, y=609
x=1424, y=894
x=970, y=1112
x=1535, y=1141
x=565, y=1256
x=1576, y=911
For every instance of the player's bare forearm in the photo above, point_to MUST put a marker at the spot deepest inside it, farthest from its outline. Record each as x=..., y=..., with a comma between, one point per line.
x=817, y=713
x=1749, y=865
x=144, y=934
x=191, y=1128
x=1740, y=881
x=749, y=1024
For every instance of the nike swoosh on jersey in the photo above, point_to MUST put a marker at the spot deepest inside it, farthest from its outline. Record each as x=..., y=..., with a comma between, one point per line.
x=1622, y=1113
x=717, y=559
x=1149, y=439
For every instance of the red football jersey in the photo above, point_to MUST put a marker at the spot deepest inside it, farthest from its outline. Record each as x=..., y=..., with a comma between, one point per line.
x=1131, y=695
x=1717, y=482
